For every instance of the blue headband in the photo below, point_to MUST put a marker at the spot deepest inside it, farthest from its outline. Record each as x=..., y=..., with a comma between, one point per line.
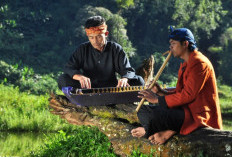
x=182, y=34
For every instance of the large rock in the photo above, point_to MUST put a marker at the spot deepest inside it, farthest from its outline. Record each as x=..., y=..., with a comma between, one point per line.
x=117, y=121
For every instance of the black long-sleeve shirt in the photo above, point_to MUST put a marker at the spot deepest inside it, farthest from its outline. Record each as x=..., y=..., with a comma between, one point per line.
x=100, y=67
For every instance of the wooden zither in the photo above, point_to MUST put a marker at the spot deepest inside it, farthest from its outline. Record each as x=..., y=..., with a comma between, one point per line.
x=103, y=96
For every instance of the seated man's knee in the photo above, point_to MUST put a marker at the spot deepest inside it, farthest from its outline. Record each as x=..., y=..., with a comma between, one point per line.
x=145, y=110
x=156, y=112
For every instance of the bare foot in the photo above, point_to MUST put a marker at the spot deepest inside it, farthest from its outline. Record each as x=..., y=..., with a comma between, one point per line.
x=138, y=132
x=161, y=137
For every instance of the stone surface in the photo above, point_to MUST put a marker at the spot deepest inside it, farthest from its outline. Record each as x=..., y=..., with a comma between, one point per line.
x=117, y=121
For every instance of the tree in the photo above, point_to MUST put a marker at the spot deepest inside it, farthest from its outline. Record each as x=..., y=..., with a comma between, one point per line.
x=225, y=56
x=202, y=17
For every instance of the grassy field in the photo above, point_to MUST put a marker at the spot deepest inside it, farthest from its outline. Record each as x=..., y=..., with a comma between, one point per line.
x=225, y=95
x=20, y=111
x=85, y=141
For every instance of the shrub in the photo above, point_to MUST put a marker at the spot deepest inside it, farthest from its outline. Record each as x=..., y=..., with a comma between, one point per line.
x=9, y=73
x=85, y=141
x=26, y=79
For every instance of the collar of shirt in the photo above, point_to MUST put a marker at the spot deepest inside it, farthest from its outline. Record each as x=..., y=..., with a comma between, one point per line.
x=103, y=50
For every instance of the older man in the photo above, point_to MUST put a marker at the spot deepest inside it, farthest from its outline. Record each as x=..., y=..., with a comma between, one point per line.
x=193, y=104
x=95, y=63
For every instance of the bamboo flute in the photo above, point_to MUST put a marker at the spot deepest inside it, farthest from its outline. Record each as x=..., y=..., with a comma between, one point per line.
x=156, y=78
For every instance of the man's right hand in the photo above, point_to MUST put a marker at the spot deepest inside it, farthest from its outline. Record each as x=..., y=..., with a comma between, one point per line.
x=84, y=81
x=157, y=89
x=160, y=91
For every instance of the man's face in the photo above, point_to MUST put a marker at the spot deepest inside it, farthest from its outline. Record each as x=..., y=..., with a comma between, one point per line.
x=176, y=48
x=98, y=40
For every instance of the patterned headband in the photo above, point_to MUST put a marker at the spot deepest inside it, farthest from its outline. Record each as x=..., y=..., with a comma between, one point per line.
x=96, y=30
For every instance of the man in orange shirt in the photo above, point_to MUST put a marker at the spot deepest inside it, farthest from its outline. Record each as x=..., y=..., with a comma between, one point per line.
x=194, y=103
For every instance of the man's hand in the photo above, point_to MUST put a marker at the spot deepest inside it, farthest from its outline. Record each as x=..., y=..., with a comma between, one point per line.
x=149, y=96
x=84, y=81
x=123, y=82
x=157, y=89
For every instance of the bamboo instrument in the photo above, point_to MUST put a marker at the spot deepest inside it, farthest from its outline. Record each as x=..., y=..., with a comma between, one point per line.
x=156, y=78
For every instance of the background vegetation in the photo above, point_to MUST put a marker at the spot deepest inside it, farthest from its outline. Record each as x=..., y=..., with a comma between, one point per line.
x=39, y=34
x=37, y=37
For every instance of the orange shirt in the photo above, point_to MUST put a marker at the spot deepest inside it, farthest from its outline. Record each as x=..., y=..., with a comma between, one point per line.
x=196, y=92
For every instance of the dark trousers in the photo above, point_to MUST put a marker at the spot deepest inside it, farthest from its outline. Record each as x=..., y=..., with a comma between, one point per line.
x=65, y=80
x=160, y=118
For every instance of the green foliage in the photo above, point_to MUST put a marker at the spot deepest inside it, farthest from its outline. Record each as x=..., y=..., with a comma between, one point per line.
x=44, y=33
x=125, y=3
x=85, y=141
x=19, y=144
x=226, y=108
x=226, y=37
x=227, y=21
x=138, y=153
x=24, y=112
x=26, y=79
x=225, y=92
x=39, y=84
x=213, y=49
x=201, y=16
x=167, y=77
x=9, y=73
x=148, y=23
x=225, y=56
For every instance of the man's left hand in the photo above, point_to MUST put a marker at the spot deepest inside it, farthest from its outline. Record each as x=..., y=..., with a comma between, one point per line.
x=148, y=95
x=123, y=82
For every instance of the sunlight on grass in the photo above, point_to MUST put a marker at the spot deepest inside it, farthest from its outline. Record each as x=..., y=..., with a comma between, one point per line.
x=19, y=144
x=85, y=141
x=225, y=95
x=20, y=111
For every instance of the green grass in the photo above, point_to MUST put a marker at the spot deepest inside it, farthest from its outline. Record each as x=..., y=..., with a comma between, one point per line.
x=20, y=144
x=20, y=111
x=85, y=141
x=225, y=95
